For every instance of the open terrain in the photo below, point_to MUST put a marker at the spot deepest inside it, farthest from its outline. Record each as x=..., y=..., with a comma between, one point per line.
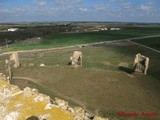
x=105, y=85
x=75, y=38
x=151, y=42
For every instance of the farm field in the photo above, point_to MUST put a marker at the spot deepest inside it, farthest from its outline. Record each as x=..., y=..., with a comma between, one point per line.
x=105, y=85
x=150, y=42
x=66, y=39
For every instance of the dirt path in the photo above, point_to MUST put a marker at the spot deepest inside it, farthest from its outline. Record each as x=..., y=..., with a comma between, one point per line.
x=77, y=46
x=144, y=46
x=37, y=50
x=41, y=54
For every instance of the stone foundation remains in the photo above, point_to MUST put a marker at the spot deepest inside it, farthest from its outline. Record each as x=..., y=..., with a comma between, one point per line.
x=13, y=61
x=141, y=63
x=76, y=59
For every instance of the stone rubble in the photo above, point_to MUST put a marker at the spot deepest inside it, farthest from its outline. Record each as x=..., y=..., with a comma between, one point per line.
x=79, y=113
x=28, y=92
x=31, y=64
x=42, y=97
x=100, y=118
x=61, y=103
x=42, y=65
x=50, y=106
x=11, y=116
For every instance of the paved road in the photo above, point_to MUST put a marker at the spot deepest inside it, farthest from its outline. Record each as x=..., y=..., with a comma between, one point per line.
x=89, y=44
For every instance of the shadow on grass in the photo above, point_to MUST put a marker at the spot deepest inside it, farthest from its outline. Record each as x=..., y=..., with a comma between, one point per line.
x=32, y=118
x=125, y=69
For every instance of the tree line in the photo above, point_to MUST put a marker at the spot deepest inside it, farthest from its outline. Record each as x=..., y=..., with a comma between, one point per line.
x=29, y=32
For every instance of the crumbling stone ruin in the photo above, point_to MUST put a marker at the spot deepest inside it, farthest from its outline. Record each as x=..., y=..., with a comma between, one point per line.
x=16, y=104
x=15, y=58
x=141, y=63
x=13, y=61
x=76, y=59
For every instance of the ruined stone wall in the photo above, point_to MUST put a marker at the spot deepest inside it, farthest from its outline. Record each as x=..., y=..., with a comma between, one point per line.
x=15, y=59
x=141, y=63
x=76, y=59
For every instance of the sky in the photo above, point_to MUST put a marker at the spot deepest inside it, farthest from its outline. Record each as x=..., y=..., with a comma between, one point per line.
x=80, y=10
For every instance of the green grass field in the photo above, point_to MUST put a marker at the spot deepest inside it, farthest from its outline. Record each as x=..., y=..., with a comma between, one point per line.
x=104, y=85
x=65, y=39
x=151, y=42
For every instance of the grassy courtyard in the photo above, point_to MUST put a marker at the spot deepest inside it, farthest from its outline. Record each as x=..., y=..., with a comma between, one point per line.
x=104, y=85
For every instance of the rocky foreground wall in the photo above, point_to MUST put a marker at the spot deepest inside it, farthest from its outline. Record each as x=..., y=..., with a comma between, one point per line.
x=28, y=104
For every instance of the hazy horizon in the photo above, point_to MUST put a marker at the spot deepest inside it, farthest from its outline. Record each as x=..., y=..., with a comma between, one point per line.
x=121, y=22
x=137, y=11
